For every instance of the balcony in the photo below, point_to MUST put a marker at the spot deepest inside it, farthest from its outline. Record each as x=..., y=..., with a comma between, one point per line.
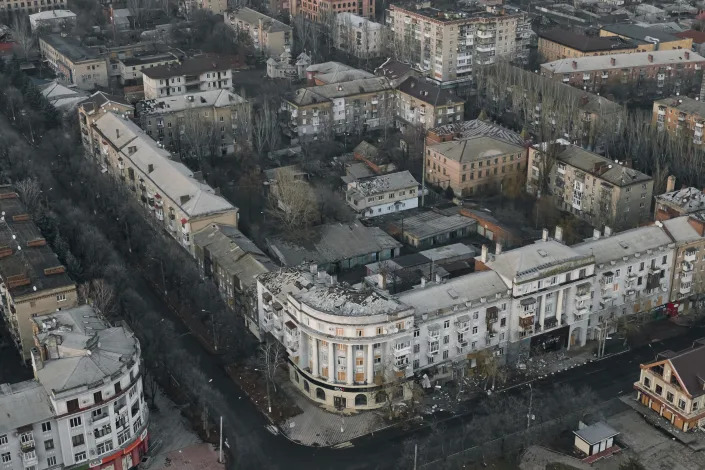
x=462, y=347
x=526, y=322
x=29, y=458
x=528, y=306
x=685, y=288
x=491, y=315
x=690, y=256
x=463, y=323
x=485, y=33
x=686, y=276
x=484, y=47
x=630, y=294
x=605, y=75
x=581, y=311
x=402, y=349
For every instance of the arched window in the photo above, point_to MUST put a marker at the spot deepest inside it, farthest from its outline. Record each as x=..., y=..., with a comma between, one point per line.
x=320, y=394
x=360, y=400
x=306, y=386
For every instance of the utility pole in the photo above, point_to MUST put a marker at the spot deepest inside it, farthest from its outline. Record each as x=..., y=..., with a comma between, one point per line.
x=416, y=453
x=220, y=450
x=531, y=399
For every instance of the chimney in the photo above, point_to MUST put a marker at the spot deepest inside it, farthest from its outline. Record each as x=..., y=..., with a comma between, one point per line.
x=423, y=282
x=613, y=61
x=559, y=233
x=382, y=281
x=595, y=234
x=150, y=168
x=687, y=54
x=575, y=65
x=483, y=256
x=671, y=183
x=651, y=57
x=438, y=278
x=117, y=133
x=37, y=361
x=498, y=249
x=607, y=232
x=544, y=235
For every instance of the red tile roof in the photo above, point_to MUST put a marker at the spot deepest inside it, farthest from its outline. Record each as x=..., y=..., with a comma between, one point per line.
x=698, y=37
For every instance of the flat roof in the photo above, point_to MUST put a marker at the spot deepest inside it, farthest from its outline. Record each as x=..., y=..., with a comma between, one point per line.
x=349, y=302
x=635, y=59
x=195, y=66
x=250, y=16
x=22, y=404
x=642, y=33
x=585, y=43
x=478, y=128
x=685, y=104
x=680, y=229
x=51, y=15
x=475, y=148
x=70, y=48
x=451, y=14
x=374, y=185
x=431, y=223
x=626, y=243
x=201, y=99
x=596, y=433
x=148, y=58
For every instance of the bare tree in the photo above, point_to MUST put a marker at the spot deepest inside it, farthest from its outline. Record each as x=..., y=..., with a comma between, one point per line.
x=31, y=193
x=22, y=35
x=100, y=294
x=139, y=10
x=292, y=200
x=198, y=138
x=271, y=357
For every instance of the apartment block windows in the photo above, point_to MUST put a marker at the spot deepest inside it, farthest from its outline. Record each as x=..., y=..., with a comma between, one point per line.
x=80, y=457
x=75, y=421
x=49, y=444
x=46, y=427
x=78, y=440
x=51, y=461
x=6, y=457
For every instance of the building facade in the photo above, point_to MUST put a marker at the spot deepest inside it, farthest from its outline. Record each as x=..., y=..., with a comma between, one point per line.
x=54, y=20
x=381, y=195
x=474, y=165
x=680, y=115
x=270, y=36
x=688, y=276
x=446, y=44
x=648, y=38
x=19, y=7
x=426, y=105
x=94, y=108
x=594, y=188
x=359, y=37
x=555, y=44
x=73, y=63
x=130, y=68
x=325, y=10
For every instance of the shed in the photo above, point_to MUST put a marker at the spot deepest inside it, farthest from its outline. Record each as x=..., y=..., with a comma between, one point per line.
x=595, y=438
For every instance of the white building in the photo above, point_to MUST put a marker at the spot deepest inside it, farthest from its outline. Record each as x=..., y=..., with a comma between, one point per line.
x=632, y=273
x=201, y=73
x=131, y=67
x=53, y=20
x=86, y=405
x=380, y=195
x=359, y=36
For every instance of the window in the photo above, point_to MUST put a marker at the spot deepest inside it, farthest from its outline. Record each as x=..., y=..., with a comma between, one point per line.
x=118, y=387
x=26, y=437
x=669, y=396
x=446, y=324
x=6, y=457
x=75, y=421
x=474, y=315
x=380, y=330
x=445, y=354
x=104, y=447
x=647, y=382
x=446, y=339
x=60, y=297
x=430, y=360
x=659, y=389
x=80, y=457
x=359, y=332
x=123, y=437
x=51, y=461
x=49, y=444
x=339, y=332
x=416, y=363
x=3, y=440
x=417, y=348
x=503, y=322
x=681, y=404
x=417, y=333
x=78, y=440
x=474, y=330
x=72, y=406
x=46, y=427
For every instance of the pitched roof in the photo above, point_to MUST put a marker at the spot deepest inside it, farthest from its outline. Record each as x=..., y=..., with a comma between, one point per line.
x=100, y=99
x=689, y=366
x=253, y=17
x=685, y=104
x=428, y=92
x=585, y=43
x=324, y=93
x=209, y=98
x=636, y=59
x=22, y=404
x=195, y=66
x=71, y=48
x=625, y=243
x=698, y=37
x=601, y=167
x=474, y=148
x=642, y=33
x=383, y=183
x=596, y=433
x=478, y=128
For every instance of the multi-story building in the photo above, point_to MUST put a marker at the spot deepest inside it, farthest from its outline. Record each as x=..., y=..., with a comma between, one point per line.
x=214, y=115
x=270, y=36
x=33, y=280
x=594, y=188
x=359, y=37
x=54, y=21
x=551, y=287
x=86, y=405
x=688, y=276
x=233, y=262
x=201, y=73
x=94, y=108
x=324, y=11
x=649, y=38
x=469, y=129
x=680, y=115
x=555, y=44
x=474, y=165
x=677, y=203
x=678, y=70
x=672, y=386
x=174, y=198
x=446, y=44
x=425, y=104
x=632, y=274
x=130, y=68
x=217, y=7
x=384, y=194
x=73, y=63
x=19, y=7
x=352, y=106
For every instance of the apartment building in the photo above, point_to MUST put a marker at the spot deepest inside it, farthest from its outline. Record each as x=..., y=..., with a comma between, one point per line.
x=472, y=128
x=53, y=21
x=130, y=68
x=633, y=271
x=216, y=114
x=269, y=36
x=446, y=44
x=233, y=262
x=688, y=277
x=474, y=165
x=672, y=386
x=359, y=36
x=555, y=44
x=217, y=7
x=384, y=194
x=594, y=188
x=201, y=73
x=325, y=10
x=93, y=108
x=86, y=404
x=427, y=105
x=680, y=115
x=551, y=285
x=665, y=69
x=73, y=63
x=34, y=281
x=174, y=198
x=648, y=38
x=20, y=7
x=677, y=203
x=352, y=106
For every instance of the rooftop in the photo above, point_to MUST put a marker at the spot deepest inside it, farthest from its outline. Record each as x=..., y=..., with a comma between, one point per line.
x=343, y=76
x=324, y=93
x=680, y=230
x=250, y=16
x=70, y=48
x=329, y=67
x=626, y=243
x=641, y=33
x=148, y=58
x=367, y=150
x=585, y=43
x=202, y=99
x=685, y=104
x=27, y=263
x=596, y=433
x=448, y=251
x=22, y=404
x=346, y=18
x=374, y=185
x=173, y=179
x=82, y=349
x=348, y=301
x=455, y=13
x=195, y=66
x=636, y=59
x=393, y=69
x=332, y=242
x=689, y=366
x=51, y=15
x=428, y=92
x=431, y=223
x=478, y=128
x=61, y=96
x=686, y=200
x=601, y=167
x=463, y=289
x=698, y=37
x=100, y=99
x=475, y=148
